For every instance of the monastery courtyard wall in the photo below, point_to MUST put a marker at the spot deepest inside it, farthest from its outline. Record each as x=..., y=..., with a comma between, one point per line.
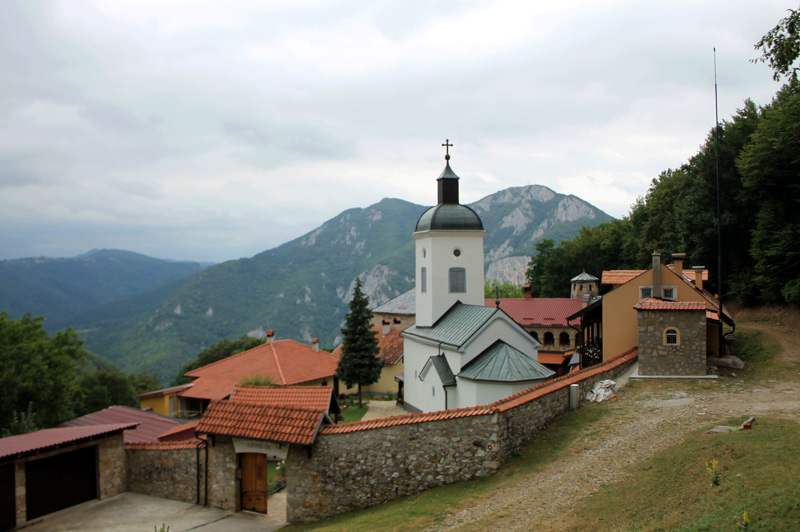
x=361, y=464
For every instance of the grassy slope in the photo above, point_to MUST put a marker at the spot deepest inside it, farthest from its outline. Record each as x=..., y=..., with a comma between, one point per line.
x=760, y=475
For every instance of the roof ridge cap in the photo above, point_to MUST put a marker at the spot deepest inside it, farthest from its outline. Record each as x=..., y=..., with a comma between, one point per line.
x=219, y=361
x=277, y=363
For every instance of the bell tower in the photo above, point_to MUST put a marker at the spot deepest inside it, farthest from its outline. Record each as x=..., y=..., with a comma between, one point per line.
x=449, y=252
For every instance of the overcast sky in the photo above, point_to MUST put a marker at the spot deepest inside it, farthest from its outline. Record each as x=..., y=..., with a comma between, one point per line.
x=211, y=130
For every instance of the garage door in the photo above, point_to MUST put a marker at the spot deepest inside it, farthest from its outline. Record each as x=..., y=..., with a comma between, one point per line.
x=61, y=481
x=8, y=507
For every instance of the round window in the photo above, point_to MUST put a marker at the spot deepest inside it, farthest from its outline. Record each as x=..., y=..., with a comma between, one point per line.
x=457, y=252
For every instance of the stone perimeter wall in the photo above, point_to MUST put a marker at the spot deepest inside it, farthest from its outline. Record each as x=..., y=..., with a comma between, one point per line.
x=354, y=470
x=169, y=474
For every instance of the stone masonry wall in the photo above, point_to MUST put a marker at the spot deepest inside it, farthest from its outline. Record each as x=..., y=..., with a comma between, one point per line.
x=223, y=486
x=170, y=474
x=113, y=471
x=348, y=471
x=686, y=358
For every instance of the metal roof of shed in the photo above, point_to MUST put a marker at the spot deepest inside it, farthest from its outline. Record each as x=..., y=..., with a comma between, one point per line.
x=48, y=439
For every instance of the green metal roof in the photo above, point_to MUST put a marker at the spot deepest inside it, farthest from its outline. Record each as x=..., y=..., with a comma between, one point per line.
x=503, y=363
x=449, y=217
x=443, y=369
x=456, y=326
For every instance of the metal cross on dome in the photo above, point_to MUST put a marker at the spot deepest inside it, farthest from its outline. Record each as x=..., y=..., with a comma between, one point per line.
x=447, y=147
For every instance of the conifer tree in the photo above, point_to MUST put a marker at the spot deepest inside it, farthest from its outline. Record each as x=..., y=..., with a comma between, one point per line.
x=359, y=363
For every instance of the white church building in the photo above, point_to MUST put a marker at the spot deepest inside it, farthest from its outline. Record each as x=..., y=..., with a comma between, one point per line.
x=460, y=353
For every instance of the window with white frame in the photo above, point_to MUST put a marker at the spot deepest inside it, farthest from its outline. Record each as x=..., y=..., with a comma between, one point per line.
x=645, y=292
x=672, y=337
x=669, y=292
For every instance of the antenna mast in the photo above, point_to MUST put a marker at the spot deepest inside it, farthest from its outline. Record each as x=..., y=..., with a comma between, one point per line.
x=719, y=213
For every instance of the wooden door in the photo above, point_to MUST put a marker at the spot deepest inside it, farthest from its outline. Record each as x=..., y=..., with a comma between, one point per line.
x=254, y=482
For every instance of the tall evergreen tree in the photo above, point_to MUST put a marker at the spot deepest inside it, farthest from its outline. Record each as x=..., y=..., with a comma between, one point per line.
x=359, y=363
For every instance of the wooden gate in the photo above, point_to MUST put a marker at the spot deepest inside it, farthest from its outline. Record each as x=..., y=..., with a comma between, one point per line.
x=254, y=482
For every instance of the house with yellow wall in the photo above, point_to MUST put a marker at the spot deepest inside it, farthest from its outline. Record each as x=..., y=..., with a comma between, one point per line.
x=391, y=352
x=665, y=311
x=163, y=402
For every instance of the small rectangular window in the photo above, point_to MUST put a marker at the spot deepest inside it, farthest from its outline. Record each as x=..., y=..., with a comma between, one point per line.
x=668, y=292
x=423, y=280
x=645, y=292
x=458, y=280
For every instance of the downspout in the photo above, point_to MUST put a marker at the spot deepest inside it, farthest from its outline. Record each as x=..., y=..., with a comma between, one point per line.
x=197, y=470
x=205, y=503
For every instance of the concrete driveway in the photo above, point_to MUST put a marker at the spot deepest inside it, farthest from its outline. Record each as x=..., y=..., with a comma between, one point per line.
x=134, y=512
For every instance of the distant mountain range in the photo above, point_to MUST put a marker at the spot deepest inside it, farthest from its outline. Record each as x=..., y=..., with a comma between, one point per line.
x=62, y=288
x=301, y=289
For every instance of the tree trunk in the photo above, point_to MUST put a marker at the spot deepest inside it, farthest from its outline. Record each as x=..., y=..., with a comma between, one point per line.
x=360, y=404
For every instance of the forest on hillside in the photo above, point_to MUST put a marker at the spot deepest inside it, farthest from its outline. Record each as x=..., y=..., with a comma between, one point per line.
x=759, y=175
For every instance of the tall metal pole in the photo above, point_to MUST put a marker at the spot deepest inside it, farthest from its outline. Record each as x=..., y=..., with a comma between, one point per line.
x=719, y=213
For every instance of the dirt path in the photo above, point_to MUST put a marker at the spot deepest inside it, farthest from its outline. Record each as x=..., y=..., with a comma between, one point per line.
x=649, y=417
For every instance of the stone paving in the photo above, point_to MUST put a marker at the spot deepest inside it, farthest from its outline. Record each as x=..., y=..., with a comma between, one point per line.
x=382, y=409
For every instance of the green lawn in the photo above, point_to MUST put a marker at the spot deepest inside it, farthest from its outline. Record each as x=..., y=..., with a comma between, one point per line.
x=354, y=413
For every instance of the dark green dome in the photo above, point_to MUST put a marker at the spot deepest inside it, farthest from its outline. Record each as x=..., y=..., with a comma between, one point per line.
x=449, y=217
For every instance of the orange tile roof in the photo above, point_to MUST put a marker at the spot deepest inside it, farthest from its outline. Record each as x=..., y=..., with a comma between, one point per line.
x=409, y=419
x=528, y=311
x=615, y=277
x=44, y=440
x=287, y=362
x=551, y=358
x=391, y=345
x=652, y=303
x=314, y=398
x=284, y=425
x=165, y=391
x=689, y=273
x=164, y=446
x=498, y=406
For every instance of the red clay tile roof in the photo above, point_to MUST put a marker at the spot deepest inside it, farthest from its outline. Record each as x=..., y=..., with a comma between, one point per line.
x=546, y=312
x=391, y=345
x=151, y=426
x=285, y=361
x=47, y=439
x=165, y=391
x=615, y=277
x=689, y=274
x=504, y=404
x=551, y=358
x=314, y=398
x=409, y=419
x=165, y=446
x=182, y=432
x=266, y=423
x=652, y=303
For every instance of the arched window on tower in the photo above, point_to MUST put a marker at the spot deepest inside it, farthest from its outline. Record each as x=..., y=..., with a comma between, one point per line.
x=549, y=339
x=535, y=335
x=423, y=280
x=563, y=339
x=458, y=280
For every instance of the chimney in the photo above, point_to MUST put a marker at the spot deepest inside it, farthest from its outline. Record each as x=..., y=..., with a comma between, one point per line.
x=270, y=336
x=315, y=344
x=386, y=327
x=677, y=259
x=698, y=276
x=656, y=274
x=527, y=289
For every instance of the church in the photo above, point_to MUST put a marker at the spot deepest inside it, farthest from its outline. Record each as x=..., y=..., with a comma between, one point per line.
x=460, y=353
